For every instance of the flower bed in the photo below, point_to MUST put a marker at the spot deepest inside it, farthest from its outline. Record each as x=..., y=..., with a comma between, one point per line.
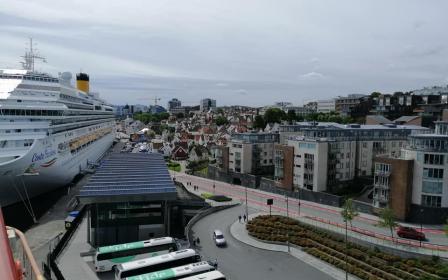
x=363, y=262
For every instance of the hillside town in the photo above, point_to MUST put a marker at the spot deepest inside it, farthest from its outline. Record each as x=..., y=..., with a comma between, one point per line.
x=378, y=149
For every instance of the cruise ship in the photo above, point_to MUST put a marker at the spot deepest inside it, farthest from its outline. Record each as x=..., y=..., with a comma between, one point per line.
x=50, y=131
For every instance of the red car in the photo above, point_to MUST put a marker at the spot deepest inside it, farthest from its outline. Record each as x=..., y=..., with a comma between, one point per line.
x=410, y=233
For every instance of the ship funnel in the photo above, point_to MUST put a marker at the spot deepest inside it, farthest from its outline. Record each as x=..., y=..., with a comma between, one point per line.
x=82, y=82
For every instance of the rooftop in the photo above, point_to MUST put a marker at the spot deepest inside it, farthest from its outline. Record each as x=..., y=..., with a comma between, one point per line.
x=124, y=177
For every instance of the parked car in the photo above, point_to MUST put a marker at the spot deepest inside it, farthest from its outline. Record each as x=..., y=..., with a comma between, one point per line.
x=410, y=233
x=219, y=238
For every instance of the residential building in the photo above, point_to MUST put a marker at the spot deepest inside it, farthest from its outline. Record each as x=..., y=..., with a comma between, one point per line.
x=326, y=106
x=252, y=153
x=207, y=104
x=392, y=184
x=327, y=154
x=354, y=105
x=284, y=166
x=173, y=103
x=221, y=156
x=430, y=173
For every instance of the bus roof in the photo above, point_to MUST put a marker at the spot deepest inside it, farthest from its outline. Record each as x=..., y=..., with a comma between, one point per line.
x=206, y=276
x=157, y=259
x=174, y=272
x=133, y=245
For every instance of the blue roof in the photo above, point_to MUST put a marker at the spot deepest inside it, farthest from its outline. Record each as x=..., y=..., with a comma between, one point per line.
x=124, y=177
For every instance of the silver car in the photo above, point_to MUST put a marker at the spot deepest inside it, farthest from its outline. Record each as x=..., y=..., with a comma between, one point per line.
x=219, y=238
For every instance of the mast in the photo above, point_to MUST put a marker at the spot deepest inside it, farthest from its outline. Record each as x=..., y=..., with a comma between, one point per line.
x=30, y=57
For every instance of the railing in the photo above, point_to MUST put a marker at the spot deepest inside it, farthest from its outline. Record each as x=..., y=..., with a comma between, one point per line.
x=20, y=265
x=29, y=268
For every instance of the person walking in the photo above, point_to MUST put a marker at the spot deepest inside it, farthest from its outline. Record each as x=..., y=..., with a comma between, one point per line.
x=239, y=218
x=244, y=217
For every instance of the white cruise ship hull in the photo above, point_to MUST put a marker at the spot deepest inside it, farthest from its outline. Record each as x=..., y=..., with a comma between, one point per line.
x=46, y=167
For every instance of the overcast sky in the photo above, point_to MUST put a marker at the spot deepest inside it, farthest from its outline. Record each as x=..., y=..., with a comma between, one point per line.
x=236, y=51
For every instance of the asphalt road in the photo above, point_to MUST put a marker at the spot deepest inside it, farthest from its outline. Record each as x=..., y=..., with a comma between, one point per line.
x=257, y=200
x=241, y=261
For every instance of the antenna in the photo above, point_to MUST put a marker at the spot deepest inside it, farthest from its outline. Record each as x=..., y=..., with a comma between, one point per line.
x=30, y=57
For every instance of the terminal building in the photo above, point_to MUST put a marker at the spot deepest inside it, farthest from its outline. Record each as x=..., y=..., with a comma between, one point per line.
x=132, y=197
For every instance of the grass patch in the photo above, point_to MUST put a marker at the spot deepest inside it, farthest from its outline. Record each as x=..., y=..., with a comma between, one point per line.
x=217, y=198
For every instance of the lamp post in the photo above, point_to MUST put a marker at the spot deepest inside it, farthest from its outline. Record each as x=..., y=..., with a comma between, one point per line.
x=247, y=207
x=287, y=226
x=421, y=225
x=299, y=201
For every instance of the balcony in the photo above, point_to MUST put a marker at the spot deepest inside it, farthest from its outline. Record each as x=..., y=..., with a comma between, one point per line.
x=382, y=173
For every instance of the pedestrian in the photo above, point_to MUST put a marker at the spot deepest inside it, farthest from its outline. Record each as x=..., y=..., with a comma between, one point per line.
x=244, y=217
x=239, y=218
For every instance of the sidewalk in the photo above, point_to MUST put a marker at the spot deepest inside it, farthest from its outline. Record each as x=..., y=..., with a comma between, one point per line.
x=239, y=232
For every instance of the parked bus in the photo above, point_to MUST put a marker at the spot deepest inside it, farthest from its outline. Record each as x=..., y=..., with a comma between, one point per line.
x=108, y=257
x=157, y=263
x=212, y=275
x=177, y=272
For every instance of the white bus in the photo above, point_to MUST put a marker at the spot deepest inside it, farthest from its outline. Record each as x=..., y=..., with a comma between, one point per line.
x=176, y=272
x=157, y=263
x=108, y=257
x=212, y=275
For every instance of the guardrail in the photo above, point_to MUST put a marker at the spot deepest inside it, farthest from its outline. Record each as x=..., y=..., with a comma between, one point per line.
x=63, y=241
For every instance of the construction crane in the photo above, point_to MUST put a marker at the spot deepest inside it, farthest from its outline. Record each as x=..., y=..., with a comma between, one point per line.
x=30, y=56
x=155, y=100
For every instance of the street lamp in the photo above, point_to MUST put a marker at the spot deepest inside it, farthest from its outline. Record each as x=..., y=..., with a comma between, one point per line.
x=299, y=201
x=421, y=225
x=247, y=210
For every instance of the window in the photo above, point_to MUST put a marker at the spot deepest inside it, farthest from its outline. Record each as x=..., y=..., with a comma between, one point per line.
x=431, y=201
x=432, y=173
x=434, y=187
x=434, y=159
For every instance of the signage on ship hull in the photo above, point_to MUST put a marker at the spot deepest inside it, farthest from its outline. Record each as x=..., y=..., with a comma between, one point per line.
x=48, y=152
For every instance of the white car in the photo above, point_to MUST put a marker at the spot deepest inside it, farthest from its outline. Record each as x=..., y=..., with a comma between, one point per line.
x=219, y=238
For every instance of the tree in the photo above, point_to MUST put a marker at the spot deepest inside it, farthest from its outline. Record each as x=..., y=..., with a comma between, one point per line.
x=291, y=116
x=180, y=115
x=220, y=120
x=274, y=115
x=259, y=122
x=348, y=213
x=388, y=220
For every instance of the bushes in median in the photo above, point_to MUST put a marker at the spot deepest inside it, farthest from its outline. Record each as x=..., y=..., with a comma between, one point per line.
x=363, y=262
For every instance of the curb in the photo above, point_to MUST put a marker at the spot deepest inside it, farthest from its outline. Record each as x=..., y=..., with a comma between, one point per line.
x=320, y=265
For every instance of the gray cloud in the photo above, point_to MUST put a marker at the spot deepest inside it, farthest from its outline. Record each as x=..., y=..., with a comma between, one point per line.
x=256, y=50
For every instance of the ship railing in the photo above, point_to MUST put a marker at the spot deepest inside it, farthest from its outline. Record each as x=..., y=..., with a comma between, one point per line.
x=25, y=263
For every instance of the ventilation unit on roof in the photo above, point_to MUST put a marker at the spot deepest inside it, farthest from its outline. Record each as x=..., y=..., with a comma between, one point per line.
x=353, y=125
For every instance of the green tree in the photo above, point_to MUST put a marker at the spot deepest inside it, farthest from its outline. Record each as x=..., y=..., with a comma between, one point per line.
x=291, y=116
x=388, y=220
x=180, y=115
x=274, y=115
x=221, y=120
x=259, y=122
x=348, y=213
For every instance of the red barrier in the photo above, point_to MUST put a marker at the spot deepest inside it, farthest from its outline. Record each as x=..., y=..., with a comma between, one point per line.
x=7, y=264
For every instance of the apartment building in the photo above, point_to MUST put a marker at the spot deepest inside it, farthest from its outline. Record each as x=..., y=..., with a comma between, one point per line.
x=430, y=171
x=207, y=104
x=326, y=106
x=252, y=153
x=326, y=154
x=284, y=166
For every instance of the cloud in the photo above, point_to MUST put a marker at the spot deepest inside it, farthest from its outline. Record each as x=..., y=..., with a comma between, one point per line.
x=241, y=92
x=312, y=76
x=221, y=84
